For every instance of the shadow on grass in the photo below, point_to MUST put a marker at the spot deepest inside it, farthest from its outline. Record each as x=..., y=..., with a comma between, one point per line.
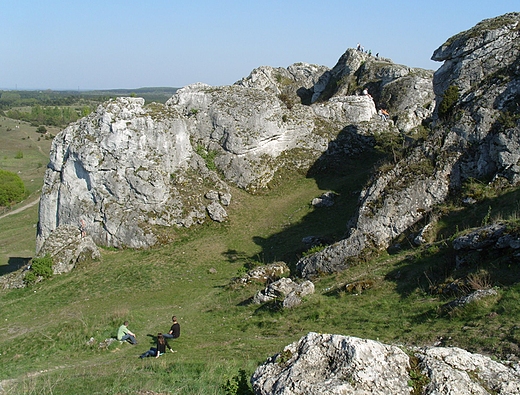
x=428, y=267
x=14, y=264
x=274, y=306
x=344, y=169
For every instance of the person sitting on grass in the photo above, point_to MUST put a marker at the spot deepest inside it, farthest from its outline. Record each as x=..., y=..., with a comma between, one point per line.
x=159, y=350
x=124, y=334
x=175, y=330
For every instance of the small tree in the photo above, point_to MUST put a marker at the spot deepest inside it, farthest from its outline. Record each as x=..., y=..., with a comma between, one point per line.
x=449, y=99
x=12, y=189
x=41, y=129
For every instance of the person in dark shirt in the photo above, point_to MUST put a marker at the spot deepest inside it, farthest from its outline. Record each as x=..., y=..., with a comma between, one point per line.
x=175, y=330
x=156, y=352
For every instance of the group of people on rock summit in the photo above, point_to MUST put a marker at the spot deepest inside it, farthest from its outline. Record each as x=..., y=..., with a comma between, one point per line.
x=125, y=334
x=360, y=48
x=382, y=112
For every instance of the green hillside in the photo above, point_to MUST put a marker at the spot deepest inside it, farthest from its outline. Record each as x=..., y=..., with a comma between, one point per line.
x=46, y=329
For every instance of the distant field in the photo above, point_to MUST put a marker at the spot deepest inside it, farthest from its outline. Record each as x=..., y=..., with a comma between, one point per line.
x=26, y=153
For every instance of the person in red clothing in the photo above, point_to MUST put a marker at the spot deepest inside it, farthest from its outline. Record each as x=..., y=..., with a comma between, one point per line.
x=175, y=330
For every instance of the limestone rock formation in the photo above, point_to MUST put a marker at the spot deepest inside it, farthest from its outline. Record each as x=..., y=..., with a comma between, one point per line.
x=406, y=92
x=129, y=169
x=264, y=274
x=68, y=248
x=476, y=135
x=123, y=170
x=334, y=364
x=286, y=290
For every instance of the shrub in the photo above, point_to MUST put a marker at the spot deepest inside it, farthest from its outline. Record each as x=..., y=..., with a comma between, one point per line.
x=41, y=129
x=390, y=144
x=480, y=280
x=41, y=268
x=12, y=189
x=238, y=385
x=314, y=250
x=449, y=99
x=507, y=120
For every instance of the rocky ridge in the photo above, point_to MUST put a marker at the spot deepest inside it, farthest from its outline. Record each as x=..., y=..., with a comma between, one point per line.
x=476, y=136
x=129, y=170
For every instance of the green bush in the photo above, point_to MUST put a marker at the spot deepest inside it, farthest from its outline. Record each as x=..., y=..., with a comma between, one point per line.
x=12, y=189
x=313, y=250
x=238, y=385
x=41, y=129
x=449, y=99
x=41, y=268
x=390, y=144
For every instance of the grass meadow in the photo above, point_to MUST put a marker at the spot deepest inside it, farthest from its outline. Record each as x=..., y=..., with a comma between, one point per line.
x=46, y=329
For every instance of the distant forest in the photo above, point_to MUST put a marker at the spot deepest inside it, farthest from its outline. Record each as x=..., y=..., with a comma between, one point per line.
x=59, y=108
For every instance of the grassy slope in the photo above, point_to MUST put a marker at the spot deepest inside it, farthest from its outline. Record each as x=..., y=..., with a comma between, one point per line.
x=44, y=329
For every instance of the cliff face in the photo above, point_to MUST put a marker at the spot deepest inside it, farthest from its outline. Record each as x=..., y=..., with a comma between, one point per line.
x=483, y=63
x=476, y=134
x=128, y=170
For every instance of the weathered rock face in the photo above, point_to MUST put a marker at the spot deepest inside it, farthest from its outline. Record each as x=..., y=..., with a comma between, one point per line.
x=129, y=169
x=406, y=92
x=281, y=80
x=122, y=170
x=478, y=137
x=69, y=247
x=484, y=64
x=335, y=364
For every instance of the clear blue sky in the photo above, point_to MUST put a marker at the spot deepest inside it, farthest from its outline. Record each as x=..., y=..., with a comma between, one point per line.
x=105, y=44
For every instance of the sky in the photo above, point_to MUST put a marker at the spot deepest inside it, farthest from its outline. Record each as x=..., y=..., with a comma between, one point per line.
x=111, y=44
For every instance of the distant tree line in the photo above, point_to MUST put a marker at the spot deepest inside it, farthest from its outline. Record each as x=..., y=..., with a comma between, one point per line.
x=12, y=99
x=59, y=108
x=52, y=116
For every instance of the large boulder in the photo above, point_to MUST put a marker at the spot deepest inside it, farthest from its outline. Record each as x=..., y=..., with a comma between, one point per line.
x=335, y=364
x=285, y=290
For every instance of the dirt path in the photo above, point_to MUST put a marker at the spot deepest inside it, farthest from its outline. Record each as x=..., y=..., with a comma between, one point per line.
x=19, y=209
